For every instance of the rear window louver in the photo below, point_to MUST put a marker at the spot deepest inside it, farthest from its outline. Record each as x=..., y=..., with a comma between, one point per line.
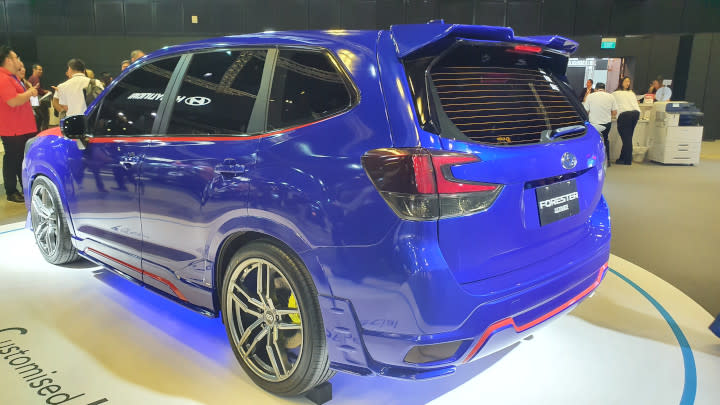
x=504, y=106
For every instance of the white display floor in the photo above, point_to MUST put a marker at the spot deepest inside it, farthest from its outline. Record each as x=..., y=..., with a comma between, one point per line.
x=638, y=340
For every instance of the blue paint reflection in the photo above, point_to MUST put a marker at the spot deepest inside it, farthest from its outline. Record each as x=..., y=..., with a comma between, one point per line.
x=187, y=327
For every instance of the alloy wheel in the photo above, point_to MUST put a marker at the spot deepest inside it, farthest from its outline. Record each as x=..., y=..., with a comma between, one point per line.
x=265, y=321
x=45, y=220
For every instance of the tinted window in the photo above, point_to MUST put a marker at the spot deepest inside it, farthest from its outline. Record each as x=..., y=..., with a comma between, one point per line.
x=218, y=93
x=131, y=106
x=307, y=86
x=500, y=96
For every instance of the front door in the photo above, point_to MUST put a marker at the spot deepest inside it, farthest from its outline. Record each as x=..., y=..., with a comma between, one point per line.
x=105, y=208
x=194, y=176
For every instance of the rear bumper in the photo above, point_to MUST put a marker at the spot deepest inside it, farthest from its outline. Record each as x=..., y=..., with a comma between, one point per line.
x=485, y=344
x=363, y=340
x=371, y=352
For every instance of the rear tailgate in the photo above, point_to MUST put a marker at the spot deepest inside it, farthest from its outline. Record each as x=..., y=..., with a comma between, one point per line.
x=508, y=103
x=509, y=235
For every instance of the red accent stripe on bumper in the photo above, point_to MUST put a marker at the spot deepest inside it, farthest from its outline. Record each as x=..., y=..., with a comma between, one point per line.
x=511, y=322
x=144, y=273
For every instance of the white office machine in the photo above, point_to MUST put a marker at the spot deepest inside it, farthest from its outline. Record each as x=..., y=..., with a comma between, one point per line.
x=676, y=128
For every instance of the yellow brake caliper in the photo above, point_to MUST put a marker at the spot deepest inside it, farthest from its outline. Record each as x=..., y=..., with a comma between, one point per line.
x=292, y=304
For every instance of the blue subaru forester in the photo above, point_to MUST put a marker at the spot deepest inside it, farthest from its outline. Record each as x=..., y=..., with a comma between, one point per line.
x=394, y=202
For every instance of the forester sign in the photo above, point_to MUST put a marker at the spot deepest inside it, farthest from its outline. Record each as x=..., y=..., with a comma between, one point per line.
x=557, y=201
x=40, y=380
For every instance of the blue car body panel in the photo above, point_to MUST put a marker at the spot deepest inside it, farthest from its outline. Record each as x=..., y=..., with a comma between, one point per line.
x=410, y=38
x=182, y=194
x=386, y=285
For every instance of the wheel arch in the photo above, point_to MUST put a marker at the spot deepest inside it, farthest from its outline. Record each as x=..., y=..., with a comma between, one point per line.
x=234, y=241
x=52, y=175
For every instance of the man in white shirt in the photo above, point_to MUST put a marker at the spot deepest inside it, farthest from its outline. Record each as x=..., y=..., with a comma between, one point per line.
x=602, y=108
x=70, y=96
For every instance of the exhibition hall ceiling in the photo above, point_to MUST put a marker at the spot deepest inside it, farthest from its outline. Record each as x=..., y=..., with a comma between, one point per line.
x=568, y=17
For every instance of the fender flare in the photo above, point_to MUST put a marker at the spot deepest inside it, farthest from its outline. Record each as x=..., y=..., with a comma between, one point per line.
x=235, y=233
x=54, y=177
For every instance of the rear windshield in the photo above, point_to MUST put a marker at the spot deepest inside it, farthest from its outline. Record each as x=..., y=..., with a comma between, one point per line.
x=496, y=95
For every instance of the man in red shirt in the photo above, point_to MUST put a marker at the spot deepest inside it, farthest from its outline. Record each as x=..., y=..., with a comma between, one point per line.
x=34, y=79
x=42, y=114
x=17, y=123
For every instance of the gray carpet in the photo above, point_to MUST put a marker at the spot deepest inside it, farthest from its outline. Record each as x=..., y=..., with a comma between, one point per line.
x=666, y=219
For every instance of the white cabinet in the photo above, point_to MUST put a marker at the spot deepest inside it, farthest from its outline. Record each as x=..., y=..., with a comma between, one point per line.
x=677, y=145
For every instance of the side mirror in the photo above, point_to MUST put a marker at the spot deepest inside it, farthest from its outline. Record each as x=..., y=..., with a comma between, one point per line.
x=75, y=127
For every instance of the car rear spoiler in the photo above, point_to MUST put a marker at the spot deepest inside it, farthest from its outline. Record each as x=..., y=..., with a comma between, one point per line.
x=411, y=39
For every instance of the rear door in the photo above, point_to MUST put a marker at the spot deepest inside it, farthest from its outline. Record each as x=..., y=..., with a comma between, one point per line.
x=508, y=104
x=194, y=175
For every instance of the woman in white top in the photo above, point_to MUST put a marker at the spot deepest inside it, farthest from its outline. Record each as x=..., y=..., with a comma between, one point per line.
x=628, y=115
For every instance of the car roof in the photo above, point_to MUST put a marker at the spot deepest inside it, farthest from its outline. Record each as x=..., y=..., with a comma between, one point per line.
x=408, y=39
x=331, y=39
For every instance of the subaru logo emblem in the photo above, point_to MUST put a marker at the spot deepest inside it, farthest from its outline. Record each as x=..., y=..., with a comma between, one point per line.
x=568, y=160
x=197, y=101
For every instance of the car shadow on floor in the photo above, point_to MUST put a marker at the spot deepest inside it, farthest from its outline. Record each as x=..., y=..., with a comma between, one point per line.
x=81, y=264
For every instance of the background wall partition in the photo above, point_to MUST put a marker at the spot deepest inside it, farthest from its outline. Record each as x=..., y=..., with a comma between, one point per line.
x=678, y=39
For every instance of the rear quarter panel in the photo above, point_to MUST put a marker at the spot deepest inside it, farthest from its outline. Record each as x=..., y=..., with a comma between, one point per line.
x=308, y=187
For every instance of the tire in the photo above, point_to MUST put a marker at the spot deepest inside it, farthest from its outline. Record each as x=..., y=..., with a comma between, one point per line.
x=277, y=336
x=50, y=223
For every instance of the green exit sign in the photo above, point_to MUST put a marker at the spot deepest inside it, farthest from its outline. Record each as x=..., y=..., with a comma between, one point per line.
x=607, y=43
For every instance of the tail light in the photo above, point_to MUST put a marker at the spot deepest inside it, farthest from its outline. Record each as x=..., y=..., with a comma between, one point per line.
x=418, y=184
x=525, y=49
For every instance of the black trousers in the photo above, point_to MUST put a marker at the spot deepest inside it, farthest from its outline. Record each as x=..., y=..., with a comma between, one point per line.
x=626, y=126
x=606, y=138
x=42, y=114
x=12, y=161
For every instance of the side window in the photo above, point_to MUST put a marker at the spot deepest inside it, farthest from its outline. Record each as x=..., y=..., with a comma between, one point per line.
x=131, y=106
x=218, y=93
x=307, y=86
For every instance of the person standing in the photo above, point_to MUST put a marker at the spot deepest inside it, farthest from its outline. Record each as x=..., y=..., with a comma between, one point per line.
x=628, y=116
x=34, y=79
x=70, y=95
x=136, y=54
x=654, y=86
x=106, y=78
x=21, y=75
x=124, y=65
x=586, y=91
x=602, y=108
x=59, y=111
x=42, y=114
x=17, y=123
